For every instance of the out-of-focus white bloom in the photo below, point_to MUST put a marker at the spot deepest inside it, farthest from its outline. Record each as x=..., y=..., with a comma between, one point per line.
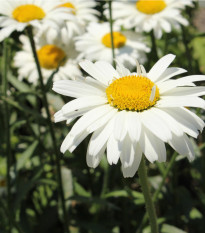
x=51, y=57
x=147, y=15
x=96, y=45
x=131, y=113
x=18, y=14
x=81, y=13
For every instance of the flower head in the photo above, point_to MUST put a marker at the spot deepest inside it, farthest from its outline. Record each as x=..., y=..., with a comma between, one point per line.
x=147, y=15
x=95, y=44
x=18, y=14
x=52, y=56
x=131, y=113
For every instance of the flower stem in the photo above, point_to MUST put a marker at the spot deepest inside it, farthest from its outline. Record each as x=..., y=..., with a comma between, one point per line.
x=50, y=124
x=111, y=32
x=157, y=192
x=154, y=46
x=7, y=131
x=147, y=196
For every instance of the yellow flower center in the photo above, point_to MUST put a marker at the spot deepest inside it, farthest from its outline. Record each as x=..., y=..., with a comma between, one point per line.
x=150, y=7
x=26, y=13
x=119, y=40
x=133, y=93
x=69, y=5
x=50, y=56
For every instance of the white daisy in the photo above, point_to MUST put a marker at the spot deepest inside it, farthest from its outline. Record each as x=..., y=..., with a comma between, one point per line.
x=83, y=10
x=131, y=113
x=96, y=44
x=147, y=15
x=18, y=14
x=81, y=13
x=51, y=56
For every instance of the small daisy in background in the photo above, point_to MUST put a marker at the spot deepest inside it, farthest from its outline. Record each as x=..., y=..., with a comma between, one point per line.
x=51, y=57
x=80, y=14
x=148, y=15
x=83, y=10
x=16, y=15
x=131, y=113
x=95, y=44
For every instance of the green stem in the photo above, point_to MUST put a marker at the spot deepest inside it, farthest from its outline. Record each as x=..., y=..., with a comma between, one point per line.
x=111, y=32
x=157, y=192
x=7, y=130
x=147, y=196
x=6, y=211
x=154, y=46
x=50, y=124
x=187, y=49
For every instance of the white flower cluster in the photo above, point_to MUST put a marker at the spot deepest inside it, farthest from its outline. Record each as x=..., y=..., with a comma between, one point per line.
x=129, y=113
x=67, y=31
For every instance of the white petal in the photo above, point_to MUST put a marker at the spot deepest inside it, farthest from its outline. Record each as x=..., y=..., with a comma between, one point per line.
x=121, y=69
x=130, y=171
x=76, y=89
x=99, y=138
x=102, y=121
x=82, y=103
x=185, y=121
x=98, y=71
x=181, y=101
x=171, y=123
x=152, y=147
x=113, y=152
x=185, y=81
x=128, y=152
x=160, y=67
x=133, y=125
x=71, y=143
x=59, y=116
x=120, y=129
x=186, y=91
x=93, y=161
x=169, y=73
x=183, y=146
x=151, y=121
x=89, y=118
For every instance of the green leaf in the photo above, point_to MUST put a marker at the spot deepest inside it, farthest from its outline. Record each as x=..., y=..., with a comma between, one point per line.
x=194, y=214
x=26, y=155
x=171, y=229
x=80, y=190
x=198, y=45
x=21, y=87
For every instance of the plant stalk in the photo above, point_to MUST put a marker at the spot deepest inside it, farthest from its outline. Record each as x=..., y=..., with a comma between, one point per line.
x=7, y=130
x=154, y=46
x=50, y=124
x=147, y=196
x=157, y=192
x=111, y=31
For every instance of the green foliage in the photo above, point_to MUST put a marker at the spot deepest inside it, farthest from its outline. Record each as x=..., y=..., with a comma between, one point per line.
x=100, y=200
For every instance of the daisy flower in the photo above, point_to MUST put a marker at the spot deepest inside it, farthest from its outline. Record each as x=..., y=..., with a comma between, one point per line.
x=51, y=56
x=81, y=13
x=131, y=113
x=147, y=15
x=83, y=10
x=18, y=14
x=96, y=44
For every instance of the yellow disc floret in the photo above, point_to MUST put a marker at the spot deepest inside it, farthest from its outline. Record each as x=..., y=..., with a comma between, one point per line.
x=119, y=40
x=50, y=56
x=69, y=5
x=133, y=93
x=150, y=7
x=28, y=12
